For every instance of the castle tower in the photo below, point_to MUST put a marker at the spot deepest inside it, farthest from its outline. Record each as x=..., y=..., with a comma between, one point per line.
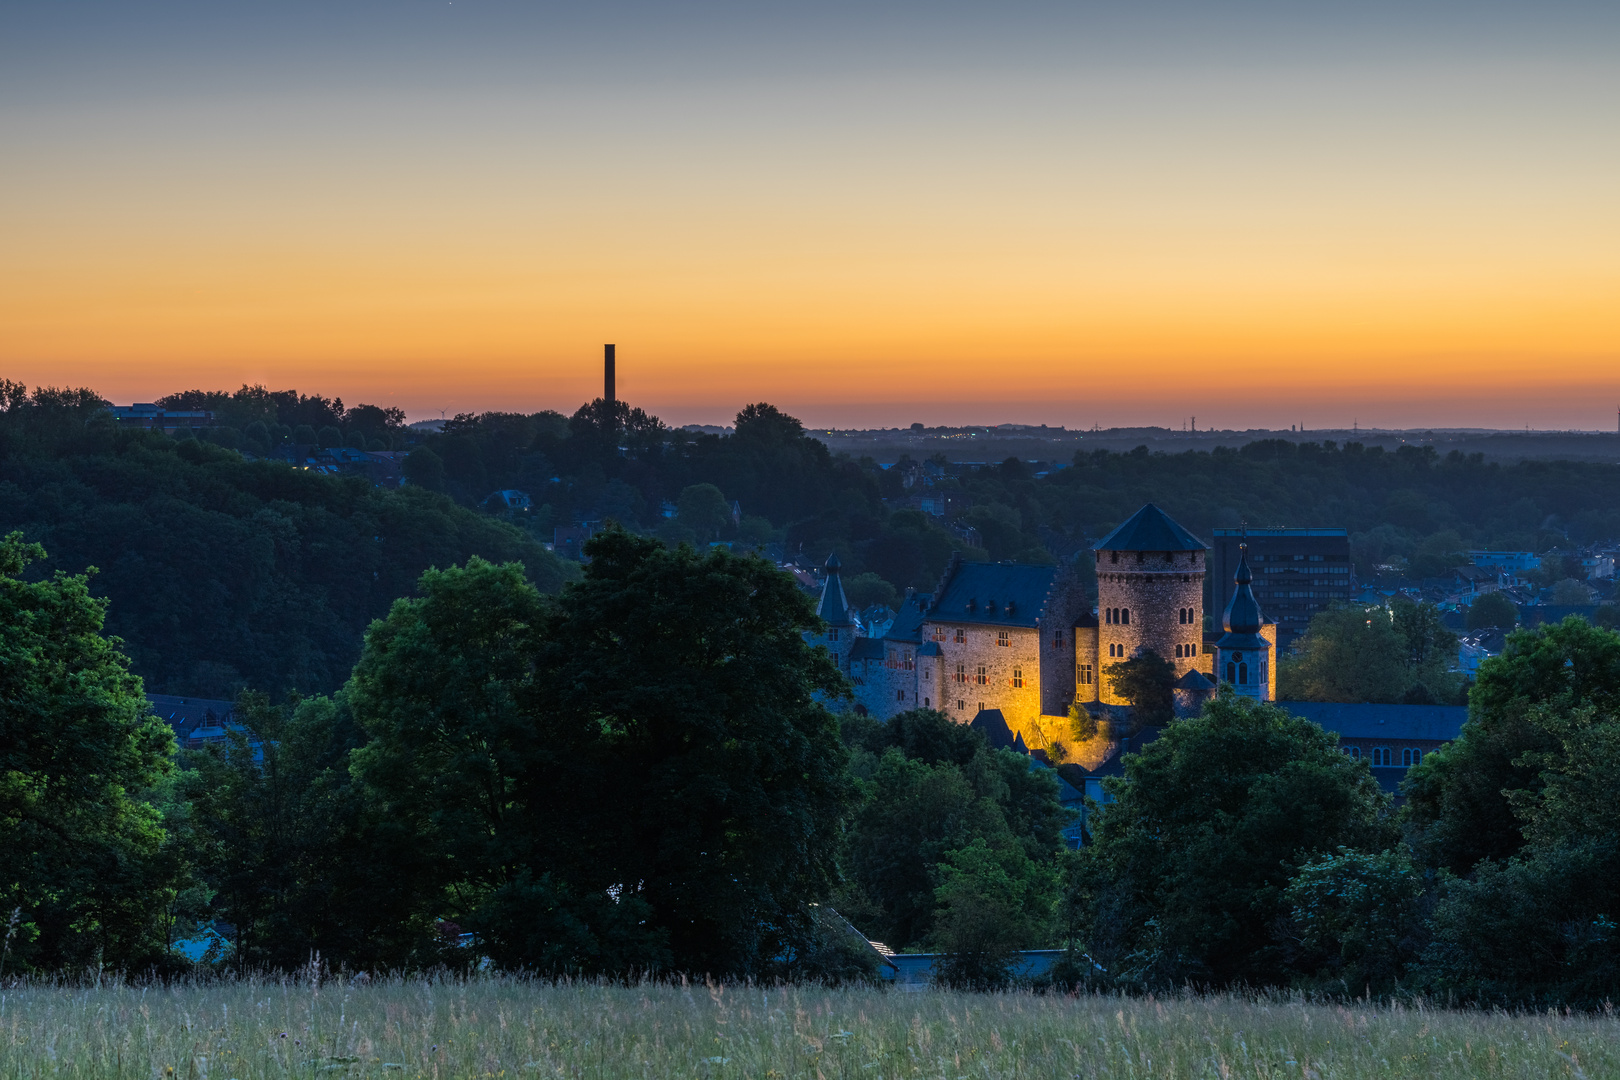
x=1243, y=655
x=839, y=634
x=1150, y=597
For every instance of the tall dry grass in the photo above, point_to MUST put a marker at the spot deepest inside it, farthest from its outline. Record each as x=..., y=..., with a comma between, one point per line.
x=508, y=1027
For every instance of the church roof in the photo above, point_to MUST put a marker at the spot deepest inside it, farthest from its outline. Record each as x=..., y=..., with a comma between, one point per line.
x=999, y=594
x=1194, y=680
x=1150, y=529
x=834, y=608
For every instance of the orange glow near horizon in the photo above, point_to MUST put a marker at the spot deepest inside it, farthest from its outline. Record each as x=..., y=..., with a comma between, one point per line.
x=865, y=252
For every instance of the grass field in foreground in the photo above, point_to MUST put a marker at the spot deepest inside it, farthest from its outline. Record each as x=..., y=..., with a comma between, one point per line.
x=494, y=1027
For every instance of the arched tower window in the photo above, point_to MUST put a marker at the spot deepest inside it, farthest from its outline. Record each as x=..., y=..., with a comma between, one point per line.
x=1231, y=672
x=1243, y=674
x=1125, y=616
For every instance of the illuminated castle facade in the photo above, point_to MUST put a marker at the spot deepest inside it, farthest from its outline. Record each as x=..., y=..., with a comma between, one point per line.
x=1021, y=641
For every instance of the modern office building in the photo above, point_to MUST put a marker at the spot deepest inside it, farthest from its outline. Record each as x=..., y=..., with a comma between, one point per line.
x=1297, y=572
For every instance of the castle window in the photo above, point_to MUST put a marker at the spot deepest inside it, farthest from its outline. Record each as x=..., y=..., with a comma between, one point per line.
x=899, y=695
x=1113, y=556
x=835, y=659
x=961, y=635
x=1353, y=751
x=939, y=633
x=1380, y=756
x=981, y=679
x=1082, y=674
x=1002, y=638
x=925, y=703
x=1178, y=651
x=1018, y=678
x=1125, y=616
x=1057, y=640
x=961, y=674
x=1231, y=672
x=1410, y=756
x=1243, y=674
x=832, y=635
x=960, y=704
x=909, y=664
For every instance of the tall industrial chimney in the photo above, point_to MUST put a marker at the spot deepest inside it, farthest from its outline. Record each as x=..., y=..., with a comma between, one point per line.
x=607, y=373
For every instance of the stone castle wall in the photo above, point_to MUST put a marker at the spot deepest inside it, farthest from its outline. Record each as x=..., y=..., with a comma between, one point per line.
x=1019, y=659
x=1154, y=589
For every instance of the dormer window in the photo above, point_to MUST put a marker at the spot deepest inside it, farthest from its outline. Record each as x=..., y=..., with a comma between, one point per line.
x=1010, y=605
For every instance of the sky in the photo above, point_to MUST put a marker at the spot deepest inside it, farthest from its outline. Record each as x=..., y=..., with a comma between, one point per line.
x=1256, y=214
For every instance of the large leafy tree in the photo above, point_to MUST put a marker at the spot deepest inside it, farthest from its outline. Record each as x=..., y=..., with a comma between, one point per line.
x=1188, y=870
x=83, y=854
x=1460, y=800
x=638, y=774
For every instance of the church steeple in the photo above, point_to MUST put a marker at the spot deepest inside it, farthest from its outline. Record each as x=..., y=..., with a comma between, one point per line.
x=1243, y=655
x=1242, y=614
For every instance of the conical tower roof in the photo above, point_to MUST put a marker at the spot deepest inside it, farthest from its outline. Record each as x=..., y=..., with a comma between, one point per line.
x=1150, y=529
x=834, y=608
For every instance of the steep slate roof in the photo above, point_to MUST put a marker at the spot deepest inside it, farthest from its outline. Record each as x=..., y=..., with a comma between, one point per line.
x=1150, y=529
x=1434, y=723
x=908, y=623
x=1194, y=680
x=982, y=592
x=834, y=609
x=993, y=726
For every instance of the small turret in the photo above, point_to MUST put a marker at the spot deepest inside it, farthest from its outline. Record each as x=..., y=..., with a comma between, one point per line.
x=834, y=607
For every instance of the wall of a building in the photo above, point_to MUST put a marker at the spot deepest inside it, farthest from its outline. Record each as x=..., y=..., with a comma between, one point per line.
x=1020, y=705
x=1153, y=589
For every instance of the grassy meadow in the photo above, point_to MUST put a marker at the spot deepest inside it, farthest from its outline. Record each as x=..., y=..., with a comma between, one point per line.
x=499, y=1027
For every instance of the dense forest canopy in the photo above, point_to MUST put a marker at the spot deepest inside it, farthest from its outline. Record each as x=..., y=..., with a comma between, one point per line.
x=226, y=571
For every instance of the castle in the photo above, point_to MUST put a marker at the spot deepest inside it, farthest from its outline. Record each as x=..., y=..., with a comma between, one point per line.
x=1021, y=641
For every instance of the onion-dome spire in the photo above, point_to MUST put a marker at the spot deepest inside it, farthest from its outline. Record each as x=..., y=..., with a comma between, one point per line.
x=1242, y=617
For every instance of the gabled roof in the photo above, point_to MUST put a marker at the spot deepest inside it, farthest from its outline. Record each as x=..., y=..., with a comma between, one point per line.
x=1150, y=529
x=1435, y=723
x=998, y=594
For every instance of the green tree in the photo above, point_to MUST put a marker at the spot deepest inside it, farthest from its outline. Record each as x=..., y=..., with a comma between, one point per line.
x=1460, y=799
x=992, y=902
x=284, y=845
x=703, y=509
x=424, y=469
x=1355, y=918
x=1493, y=609
x=1349, y=654
x=1572, y=592
x=1187, y=873
x=84, y=849
x=1148, y=681
x=497, y=719
x=867, y=589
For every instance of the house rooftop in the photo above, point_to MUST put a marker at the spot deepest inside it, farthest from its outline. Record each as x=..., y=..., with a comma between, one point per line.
x=1419, y=723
